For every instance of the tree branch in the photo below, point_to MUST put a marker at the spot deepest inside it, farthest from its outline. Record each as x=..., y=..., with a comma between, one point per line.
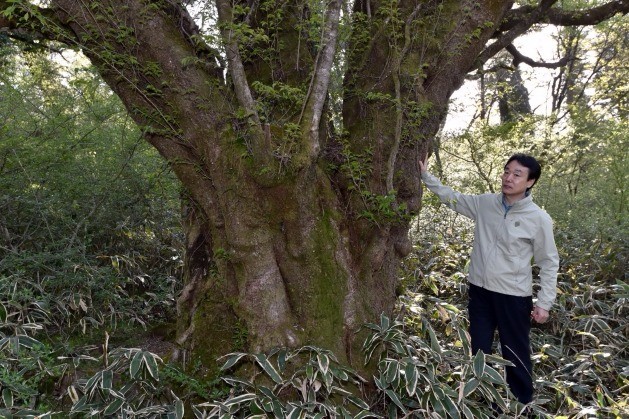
x=192, y=34
x=528, y=20
x=561, y=17
x=318, y=90
x=28, y=23
x=398, y=97
x=518, y=58
x=518, y=21
x=260, y=148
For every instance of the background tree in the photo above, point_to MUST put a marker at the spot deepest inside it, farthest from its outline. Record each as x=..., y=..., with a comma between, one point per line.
x=82, y=196
x=588, y=132
x=296, y=218
x=580, y=139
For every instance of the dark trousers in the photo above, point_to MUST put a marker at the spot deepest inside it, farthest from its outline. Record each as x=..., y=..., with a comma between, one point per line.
x=511, y=315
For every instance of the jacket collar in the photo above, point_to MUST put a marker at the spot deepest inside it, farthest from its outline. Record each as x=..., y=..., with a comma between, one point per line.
x=517, y=205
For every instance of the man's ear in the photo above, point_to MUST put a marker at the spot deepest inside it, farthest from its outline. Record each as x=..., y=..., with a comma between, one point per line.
x=530, y=183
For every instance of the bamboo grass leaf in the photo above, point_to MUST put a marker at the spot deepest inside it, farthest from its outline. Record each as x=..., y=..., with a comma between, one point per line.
x=135, y=364
x=232, y=359
x=479, y=364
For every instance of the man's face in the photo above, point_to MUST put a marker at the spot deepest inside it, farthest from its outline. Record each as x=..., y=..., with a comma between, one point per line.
x=515, y=180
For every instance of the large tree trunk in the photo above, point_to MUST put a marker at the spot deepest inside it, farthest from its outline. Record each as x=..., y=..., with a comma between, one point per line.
x=294, y=231
x=275, y=271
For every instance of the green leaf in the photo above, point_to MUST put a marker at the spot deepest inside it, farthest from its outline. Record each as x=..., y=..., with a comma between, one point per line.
x=470, y=386
x=399, y=348
x=240, y=399
x=3, y=313
x=384, y=322
x=8, y=12
x=370, y=341
x=395, y=399
x=232, y=359
x=281, y=359
x=108, y=378
x=369, y=352
x=7, y=397
x=79, y=406
x=467, y=412
x=267, y=392
x=358, y=402
x=479, y=364
x=498, y=360
x=496, y=396
x=451, y=408
x=341, y=391
x=4, y=342
x=262, y=360
x=602, y=325
x=197, y=412
x=278, y=410
x=372, y=326
x=380, y=384
x=465, y=341
x=91, y=383
x=127, y=388
x=324, y=362
x=434, y=342
x=328, y=378
x=437, y=405
x=232, y=381
x=135, y=364
x=411, y=377
x=179, y=409
x=27, y=341
x=365, y=414
x=295, y=413
x=493, y=376
x=256, y=408
x=150, y=360
x=113, y=407
x=392, y=371
x=339, y=373
x=450, y=307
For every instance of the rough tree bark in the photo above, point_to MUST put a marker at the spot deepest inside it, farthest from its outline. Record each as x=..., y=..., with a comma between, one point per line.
x=296, y=215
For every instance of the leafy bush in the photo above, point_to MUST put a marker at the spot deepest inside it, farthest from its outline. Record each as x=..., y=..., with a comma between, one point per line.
x=415, y=376
x=27, y=365
x=88, y=231
x=129, y=386
x=307, y=382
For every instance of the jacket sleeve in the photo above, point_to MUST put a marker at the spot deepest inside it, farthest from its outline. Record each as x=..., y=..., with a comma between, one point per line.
x=547, y=258
x=461, y=203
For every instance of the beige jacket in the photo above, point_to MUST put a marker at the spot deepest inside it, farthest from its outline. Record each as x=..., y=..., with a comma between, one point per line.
x=506, y=243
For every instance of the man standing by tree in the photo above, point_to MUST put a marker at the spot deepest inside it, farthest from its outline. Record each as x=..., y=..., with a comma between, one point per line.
x=510, y=230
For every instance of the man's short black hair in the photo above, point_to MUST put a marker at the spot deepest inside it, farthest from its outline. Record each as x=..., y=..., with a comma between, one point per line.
x=535, y=169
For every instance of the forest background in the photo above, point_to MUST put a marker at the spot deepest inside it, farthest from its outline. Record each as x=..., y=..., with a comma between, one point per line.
x=91, y=257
